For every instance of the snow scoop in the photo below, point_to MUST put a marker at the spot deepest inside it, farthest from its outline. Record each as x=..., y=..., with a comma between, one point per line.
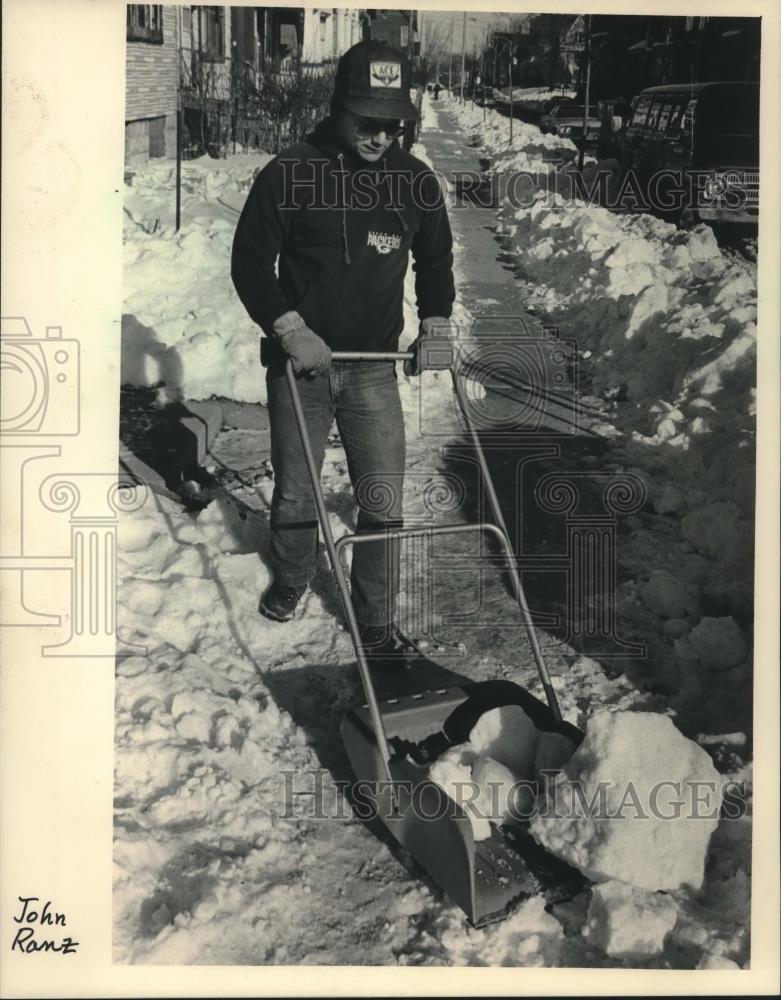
x=391, y=744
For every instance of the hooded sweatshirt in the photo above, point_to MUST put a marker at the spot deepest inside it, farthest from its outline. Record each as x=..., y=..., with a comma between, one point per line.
x=342, y=230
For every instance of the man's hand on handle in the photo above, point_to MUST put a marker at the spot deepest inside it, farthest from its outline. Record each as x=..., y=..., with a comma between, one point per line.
x=310, y=354
x=436, y=332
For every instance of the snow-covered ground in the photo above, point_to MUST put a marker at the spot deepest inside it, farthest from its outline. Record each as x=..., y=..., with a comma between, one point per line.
x=181, y=316
x=210, y=865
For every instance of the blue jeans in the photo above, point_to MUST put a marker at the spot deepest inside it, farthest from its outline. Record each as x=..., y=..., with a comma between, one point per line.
x=363, y=397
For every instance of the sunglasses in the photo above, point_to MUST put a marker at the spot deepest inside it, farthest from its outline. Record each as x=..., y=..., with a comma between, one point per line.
x=368, y=127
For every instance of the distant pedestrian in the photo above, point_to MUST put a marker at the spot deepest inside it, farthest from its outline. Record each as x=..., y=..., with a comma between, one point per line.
x=437, y=89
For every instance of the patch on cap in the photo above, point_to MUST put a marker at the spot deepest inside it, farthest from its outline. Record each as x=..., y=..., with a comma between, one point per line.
x=385, y=74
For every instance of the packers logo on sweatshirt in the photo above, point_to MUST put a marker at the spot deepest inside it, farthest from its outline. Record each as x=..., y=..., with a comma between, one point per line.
x=385, y=74
x=383, y=242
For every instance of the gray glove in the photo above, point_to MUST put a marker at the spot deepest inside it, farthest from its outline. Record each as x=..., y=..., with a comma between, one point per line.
x=310, y=353
x=435, y=328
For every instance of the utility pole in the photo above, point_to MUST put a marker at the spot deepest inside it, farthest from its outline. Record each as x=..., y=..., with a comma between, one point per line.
x=179, y=120
x=503, y=40
x=510, y=72
x=450, y=64
x=482, y=72
x=582, y=150
x=463, y=57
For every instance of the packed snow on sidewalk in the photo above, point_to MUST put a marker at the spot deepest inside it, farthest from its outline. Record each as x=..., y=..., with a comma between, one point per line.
x=233, y=841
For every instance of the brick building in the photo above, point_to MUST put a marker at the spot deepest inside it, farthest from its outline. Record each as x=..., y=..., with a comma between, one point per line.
x=170, y=47
x=151, y=81
x=208, y=59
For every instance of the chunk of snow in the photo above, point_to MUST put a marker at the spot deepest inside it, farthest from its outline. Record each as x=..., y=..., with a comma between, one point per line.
x=675, y=627
x=666, y=498
x=717, y=962
x=712, y=530
x=453, y=773
x=667, y=597
x=702, y=244
x=637, y=802
x=552, y=752
x=629, y=923
x=631, y=251
x=719, y=643
x=507, y=735
x=502, y=798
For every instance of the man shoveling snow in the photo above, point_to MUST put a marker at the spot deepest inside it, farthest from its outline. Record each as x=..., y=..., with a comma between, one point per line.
x=342, y=212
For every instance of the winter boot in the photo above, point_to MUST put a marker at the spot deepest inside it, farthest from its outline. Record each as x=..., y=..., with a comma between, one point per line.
x=279, y=602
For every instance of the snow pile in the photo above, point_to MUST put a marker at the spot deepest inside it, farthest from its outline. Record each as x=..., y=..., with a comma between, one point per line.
x=200, y=742
x=183, y=323
x=664, y=313
x=629, y=923
x=667, y=321
x=530, y=151
x=637, y=802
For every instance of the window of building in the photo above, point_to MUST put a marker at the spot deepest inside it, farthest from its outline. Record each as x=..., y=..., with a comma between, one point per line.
x=215, y=33
x=288, y=40
x=145, y=22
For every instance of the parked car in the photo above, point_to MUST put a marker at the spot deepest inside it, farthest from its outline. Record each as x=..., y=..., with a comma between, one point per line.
x=545, y=118
x=566, y=120
x=697, y=145
x=484, y=95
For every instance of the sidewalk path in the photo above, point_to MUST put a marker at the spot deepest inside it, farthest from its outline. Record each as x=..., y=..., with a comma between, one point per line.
x=549, y=440
x=487, y=285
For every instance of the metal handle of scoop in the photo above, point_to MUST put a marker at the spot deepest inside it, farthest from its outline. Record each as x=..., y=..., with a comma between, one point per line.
x=498, y=529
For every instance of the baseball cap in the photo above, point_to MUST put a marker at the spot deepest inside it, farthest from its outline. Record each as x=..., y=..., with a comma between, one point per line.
x=373, y=80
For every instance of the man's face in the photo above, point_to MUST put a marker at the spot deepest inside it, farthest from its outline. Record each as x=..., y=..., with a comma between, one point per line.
x=367, y=138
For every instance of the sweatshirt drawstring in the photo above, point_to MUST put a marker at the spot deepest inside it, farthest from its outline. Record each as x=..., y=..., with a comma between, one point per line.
x=345, y=243
x=399, y=217
x=397, y=213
